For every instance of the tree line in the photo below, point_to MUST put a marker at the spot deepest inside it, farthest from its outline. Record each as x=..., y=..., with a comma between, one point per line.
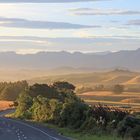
x=10, y=90
x=58, y=104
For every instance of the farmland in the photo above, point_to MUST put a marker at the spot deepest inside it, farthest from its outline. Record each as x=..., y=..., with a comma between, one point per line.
x=97, y=87
x=129, y=100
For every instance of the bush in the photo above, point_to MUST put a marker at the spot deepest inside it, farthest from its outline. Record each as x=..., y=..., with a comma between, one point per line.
x=135, y=133
x=73, y=113
x=129, y=127
x=118, y=88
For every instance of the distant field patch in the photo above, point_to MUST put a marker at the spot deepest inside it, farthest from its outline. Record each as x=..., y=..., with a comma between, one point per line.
x=5, y=105
x=129, y=99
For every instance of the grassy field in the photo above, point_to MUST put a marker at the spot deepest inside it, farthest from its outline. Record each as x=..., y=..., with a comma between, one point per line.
x=127, y=78
x=5, y=105
x=81, y=136
x=127, y=99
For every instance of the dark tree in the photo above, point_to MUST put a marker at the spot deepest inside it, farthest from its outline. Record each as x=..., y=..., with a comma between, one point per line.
x=63, y=86
x=118, y=88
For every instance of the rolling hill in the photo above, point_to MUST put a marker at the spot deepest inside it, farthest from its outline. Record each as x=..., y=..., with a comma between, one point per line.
x=134, y=80
x=90, y=79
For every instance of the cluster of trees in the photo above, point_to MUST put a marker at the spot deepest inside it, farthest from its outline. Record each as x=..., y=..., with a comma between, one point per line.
x=10, y=91
x=129, y=128
x=58, y=104
x=118, y=88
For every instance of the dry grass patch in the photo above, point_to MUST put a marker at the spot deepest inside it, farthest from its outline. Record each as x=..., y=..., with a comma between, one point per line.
x=5, y=105
x=129, y=99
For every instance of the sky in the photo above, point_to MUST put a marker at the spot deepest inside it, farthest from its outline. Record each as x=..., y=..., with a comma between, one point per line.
x=31, y=26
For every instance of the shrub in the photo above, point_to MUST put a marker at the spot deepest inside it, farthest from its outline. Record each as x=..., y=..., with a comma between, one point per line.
x=129, y=127
x=118, y=89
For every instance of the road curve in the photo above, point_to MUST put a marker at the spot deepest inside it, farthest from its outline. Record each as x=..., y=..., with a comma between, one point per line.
x=11, y=129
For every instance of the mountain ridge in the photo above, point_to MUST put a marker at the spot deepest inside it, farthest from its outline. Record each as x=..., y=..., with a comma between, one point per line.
x=127, y=59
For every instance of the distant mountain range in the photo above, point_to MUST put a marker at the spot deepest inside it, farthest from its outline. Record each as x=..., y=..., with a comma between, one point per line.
x=52, y=60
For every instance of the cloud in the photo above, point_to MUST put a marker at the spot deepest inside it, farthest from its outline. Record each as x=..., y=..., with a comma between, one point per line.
x=134, y=22
x=21, y=43
x=46, y=1
x=48, y=40
x=23, y=23
x=91, y=11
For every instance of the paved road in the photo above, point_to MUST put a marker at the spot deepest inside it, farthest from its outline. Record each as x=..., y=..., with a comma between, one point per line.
x=11, y=129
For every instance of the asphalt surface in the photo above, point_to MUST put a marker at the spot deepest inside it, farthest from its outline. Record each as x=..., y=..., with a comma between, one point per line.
x=11, y=129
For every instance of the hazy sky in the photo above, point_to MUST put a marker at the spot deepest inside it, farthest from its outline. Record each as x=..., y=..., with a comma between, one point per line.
x=87, y=26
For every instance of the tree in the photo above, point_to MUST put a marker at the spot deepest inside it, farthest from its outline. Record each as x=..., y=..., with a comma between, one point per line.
x=24, y=104
x=73, y=113
x=41, y=110
x=64, y=86
x=118, y=89
x=46, y=110
x=44, y=90
x=10, y=91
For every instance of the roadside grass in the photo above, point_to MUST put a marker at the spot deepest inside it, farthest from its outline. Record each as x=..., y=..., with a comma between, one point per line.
x=74, y=135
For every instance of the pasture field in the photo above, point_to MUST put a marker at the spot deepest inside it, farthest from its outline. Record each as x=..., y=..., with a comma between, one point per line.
x=129, y=100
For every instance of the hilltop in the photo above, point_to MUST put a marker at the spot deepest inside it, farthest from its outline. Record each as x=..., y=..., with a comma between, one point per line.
x=94, y=78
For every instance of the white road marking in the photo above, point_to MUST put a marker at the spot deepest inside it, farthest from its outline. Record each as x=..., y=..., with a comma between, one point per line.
x=33, y=128
x=19, y=133
x=25, y=138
